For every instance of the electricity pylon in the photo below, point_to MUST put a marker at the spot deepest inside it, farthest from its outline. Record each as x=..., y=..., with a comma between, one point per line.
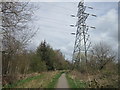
x=82, y=37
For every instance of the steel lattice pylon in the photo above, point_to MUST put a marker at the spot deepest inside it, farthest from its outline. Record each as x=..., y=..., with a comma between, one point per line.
x=81, y=41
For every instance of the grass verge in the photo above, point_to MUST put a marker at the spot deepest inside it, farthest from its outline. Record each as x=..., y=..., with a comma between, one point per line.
x=20, y=82
x=54, y=80
x=71, y=82
x=75, y=83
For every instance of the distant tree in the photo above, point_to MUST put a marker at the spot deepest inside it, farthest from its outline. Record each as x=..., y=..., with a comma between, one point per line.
x=54, y=59
x=46, y=53
x=59, y=61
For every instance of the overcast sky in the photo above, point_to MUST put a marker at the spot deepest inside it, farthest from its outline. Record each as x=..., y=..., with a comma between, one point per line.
x=53, y=20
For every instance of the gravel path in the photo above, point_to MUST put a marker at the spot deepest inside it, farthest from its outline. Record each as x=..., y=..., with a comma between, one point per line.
x=62, y=82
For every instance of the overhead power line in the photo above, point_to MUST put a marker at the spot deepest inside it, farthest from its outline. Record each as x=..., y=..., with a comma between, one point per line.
x=63, y=7
x=82, y=43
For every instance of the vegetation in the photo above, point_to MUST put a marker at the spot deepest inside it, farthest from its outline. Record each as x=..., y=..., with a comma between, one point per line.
x=16, y=34
x=71, y=82
x=101, y=70
x=75, y=83
x=37, y=64
x=40, y=82
x=54, y=80
x=44, y=80
x=21, y=82
x=53, y=59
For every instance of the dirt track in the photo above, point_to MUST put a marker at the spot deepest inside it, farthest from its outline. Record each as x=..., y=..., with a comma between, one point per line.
x=62, y=82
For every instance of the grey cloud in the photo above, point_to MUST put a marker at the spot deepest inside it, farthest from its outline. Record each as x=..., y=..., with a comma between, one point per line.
x=107, y=29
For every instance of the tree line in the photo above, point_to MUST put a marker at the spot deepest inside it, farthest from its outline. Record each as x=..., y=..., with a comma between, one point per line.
x=45, y=58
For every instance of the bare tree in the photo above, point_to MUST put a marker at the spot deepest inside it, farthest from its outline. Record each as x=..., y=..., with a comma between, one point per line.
x=103, y=54
x=16, y=32
x=15, y=18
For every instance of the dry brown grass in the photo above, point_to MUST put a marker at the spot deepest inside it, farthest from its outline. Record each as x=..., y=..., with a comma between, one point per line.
x=41, y=82
x=101, y=79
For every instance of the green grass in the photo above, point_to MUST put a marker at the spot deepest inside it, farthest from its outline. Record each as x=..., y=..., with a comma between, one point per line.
x=75, y=83
x=71, y=82
x=20, y=82
x=53, y=83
